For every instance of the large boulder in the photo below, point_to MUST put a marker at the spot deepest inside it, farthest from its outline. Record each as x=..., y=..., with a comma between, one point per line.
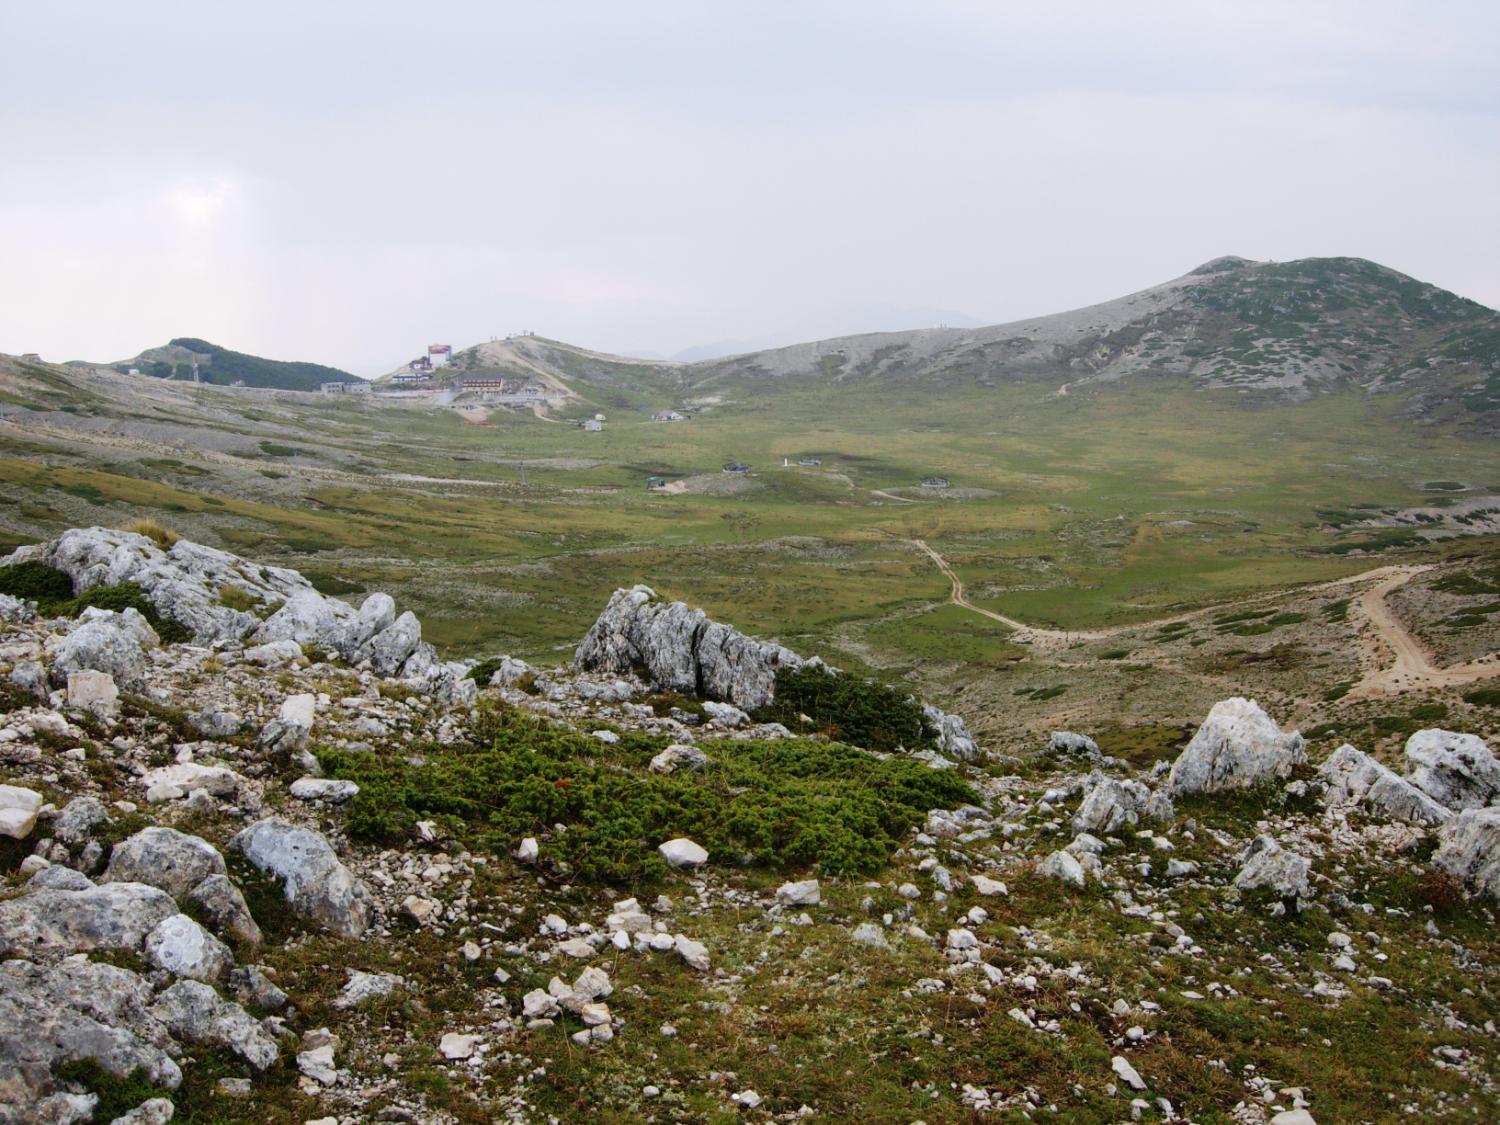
x=102, y=640
x=1469, y=847
x=185, y=949
x=164, y=858
x=390, y=648
x=953, y=737
x=1455, y=770
x=317, y=885
x=74, y=1011
x=1237, y=746
x=57, y=921
x=1356, y=778
x=678, y=648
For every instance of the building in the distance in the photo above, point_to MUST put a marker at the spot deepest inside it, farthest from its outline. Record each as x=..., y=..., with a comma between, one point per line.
x=439, y=355
x=668, y=416
x=593, y=425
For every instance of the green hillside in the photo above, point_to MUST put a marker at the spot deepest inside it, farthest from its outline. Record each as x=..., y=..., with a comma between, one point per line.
x=225, y=366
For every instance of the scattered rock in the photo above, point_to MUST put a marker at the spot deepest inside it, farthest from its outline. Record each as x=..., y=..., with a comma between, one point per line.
x=807, y=892
x=55, y=921
x=93, y=691
x=1469, y=848
x=185, y=949
x=323, y=789
x=165, y=858
x=1063, y=867
x=679, y=756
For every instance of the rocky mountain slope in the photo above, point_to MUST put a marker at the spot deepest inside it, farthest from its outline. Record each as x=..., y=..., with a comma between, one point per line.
x=1285, y=329
x=265, y=858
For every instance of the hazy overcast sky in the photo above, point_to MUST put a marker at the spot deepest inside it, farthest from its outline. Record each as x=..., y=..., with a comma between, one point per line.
x=348, y=182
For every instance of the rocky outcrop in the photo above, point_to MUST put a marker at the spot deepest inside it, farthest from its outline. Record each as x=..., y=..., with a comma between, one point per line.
x=1269, y=866
x=191, y=583
x=165, y=858
x=317, y=885
x=678, y=648
x=1457, y=771
x=73, y=1011
x=1111, y=805
x=1356, y=778
x=1237, y=746
x=1469, y=848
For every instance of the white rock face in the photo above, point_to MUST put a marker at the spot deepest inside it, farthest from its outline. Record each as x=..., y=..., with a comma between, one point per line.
x=94, y=691
x=953, y=738
x=273, y=654
x=725, y=714
x=682, y=852
x=695, y=953
x=1469, y=848
x=989, y=888
x=1356, y=778
x=164, y=858
x=193, y=1010
x=456, y=1046
x=1237, y=746
x=56, y=920
x=181, y=778
x=1110, y=805
x=367, y=986
x=1063, y=867
x=1269, y=866
x=1127, y=1073
x=317, y=885
x=806, y=892
x=1457, y=771
x=528, y=851
x=18, y=809
x=186, y=582
x=1066, y=742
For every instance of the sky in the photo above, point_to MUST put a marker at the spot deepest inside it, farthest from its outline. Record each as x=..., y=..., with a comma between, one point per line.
x=349, y=182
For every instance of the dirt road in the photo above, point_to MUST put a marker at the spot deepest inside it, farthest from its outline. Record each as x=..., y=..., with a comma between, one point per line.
x=1398, y=661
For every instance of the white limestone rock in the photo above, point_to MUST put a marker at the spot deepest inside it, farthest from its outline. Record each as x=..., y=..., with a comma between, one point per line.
x=58, y=921
x=164, y=858
x=185, y=949
x=18, y=811
x=1356, y=778
x=1469, y=848
x=683, y=852
x=1266, y=865
x=316, y=884
x=678, y=756
x=1063, y=867
x=1458, y=771
x=805, y=892
x=1237, y=746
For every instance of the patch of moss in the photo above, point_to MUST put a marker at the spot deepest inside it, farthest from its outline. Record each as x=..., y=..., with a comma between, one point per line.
x=52, y=590
x=117, y=1096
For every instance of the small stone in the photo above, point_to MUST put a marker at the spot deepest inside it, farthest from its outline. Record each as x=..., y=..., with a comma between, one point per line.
x=457, y=1046
x=807, y=892
x=18, y=811
x=528, y=851
x=683, y=852
x=1127, y=1073
x=323, y=789
x=990, y=888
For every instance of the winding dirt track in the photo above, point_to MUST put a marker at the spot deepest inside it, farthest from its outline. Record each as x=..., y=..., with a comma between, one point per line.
x=1410, y=665
x=1398, y=660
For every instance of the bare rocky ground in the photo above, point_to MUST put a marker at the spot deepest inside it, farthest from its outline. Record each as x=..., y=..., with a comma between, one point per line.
x=205, y=914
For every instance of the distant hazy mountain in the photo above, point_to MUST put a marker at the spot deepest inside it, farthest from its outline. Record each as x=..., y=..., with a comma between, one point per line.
x=844, y=321
x=1272, y=329
x=219, y=365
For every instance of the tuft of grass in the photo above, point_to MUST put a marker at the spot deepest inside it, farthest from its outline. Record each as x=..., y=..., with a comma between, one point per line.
x=163, y=537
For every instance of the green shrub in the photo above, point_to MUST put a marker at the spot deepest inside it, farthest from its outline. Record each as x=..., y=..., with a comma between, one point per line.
x=787, y=804
x=853, y=710
x=237, y=597
x=117, y=1096
x=52, y=590
x=485, y=669
x=1483, y=697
